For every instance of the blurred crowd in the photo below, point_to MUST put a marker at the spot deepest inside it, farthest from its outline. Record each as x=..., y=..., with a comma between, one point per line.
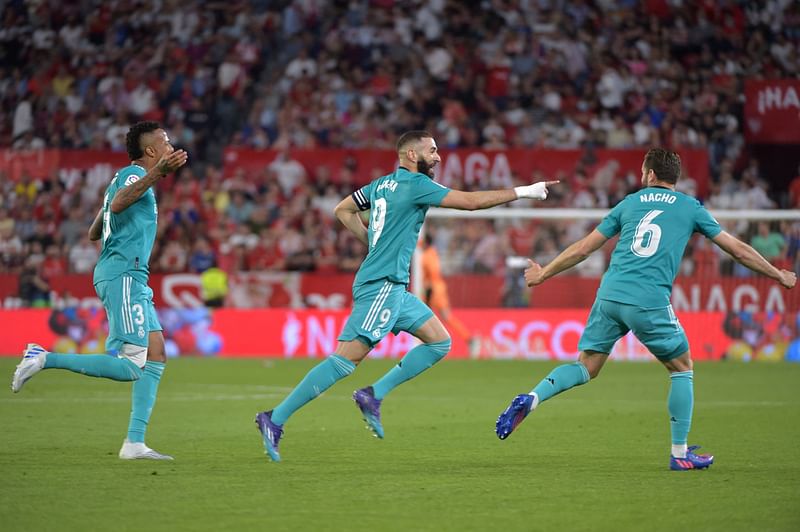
x=306, y=73
x=287, y=74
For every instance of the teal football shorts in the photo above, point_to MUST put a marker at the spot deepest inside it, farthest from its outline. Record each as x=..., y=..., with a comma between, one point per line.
x=130, y=311
x=658, y=329
x=381, y=307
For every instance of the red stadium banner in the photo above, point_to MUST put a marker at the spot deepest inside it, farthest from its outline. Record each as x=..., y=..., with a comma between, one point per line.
x=35, y=163
x=42, y=163
x=308, y=290
x=460, y=167
x=542, y=334
x=474, y=167
x=708, y=294
x=772, y=111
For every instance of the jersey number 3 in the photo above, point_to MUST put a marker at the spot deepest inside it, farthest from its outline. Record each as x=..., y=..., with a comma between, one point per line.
x=647, y=236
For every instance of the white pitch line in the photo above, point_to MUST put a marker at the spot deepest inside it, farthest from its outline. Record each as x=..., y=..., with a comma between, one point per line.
x=279, y=392
x=162, y=398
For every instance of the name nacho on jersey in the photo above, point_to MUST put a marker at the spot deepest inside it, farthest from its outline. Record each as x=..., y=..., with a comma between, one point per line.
x=665, y=197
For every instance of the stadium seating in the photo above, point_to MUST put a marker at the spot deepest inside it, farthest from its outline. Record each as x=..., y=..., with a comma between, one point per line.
x=353, y=75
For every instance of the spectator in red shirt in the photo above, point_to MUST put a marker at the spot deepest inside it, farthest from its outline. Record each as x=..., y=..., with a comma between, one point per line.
x=54, y=263
x=267, y=254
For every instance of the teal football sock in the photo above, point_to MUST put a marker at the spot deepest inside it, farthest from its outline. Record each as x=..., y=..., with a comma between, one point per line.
x=415, y=362
x=110, y=367
x=143, y=397
x=320, y=378
x=680, y=404
x=561, y=379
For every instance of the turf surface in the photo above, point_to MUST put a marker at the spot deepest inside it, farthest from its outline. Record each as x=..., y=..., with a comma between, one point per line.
x=595, y=458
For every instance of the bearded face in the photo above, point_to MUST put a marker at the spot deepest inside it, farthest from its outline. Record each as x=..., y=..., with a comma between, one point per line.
x=425, y=154
x=425, y=166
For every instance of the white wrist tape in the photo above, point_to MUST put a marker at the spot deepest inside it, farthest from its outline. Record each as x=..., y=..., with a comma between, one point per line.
x=536, y=191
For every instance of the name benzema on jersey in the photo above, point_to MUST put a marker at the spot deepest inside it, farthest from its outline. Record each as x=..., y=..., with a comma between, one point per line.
x=391, y=184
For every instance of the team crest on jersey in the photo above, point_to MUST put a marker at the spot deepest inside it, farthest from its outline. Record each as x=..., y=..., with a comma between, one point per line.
x=132, y=179
x=141, y=332
x=376, y=333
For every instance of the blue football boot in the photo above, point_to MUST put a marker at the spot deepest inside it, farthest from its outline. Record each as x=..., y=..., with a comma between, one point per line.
x=370, y=409
x=692, y=460
x=271, y=434
x=520, y=407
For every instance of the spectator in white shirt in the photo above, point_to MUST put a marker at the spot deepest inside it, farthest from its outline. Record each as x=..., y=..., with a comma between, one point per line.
x=289, y=172
x=83, y=256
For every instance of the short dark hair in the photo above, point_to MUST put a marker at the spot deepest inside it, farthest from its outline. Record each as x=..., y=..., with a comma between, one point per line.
x=133, y=140
x=410, y=137
x=665, y=164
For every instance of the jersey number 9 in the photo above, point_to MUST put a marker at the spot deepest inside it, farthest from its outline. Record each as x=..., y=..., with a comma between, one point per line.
x=378, y=219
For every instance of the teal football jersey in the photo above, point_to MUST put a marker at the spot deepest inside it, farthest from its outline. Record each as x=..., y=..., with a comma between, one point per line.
x=398, y=203
x=128, y=236
x=654, y=226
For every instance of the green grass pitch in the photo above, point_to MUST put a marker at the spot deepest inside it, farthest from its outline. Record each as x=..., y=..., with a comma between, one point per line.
x=595, y=458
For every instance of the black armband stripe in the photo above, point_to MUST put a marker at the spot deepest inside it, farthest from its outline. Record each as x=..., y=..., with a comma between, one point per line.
x=362, y=202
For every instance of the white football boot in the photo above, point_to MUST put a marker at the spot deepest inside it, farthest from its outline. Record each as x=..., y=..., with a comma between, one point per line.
x=33, y=359
x=140, y=451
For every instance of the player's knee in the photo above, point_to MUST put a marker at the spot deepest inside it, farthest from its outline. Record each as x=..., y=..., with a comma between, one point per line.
x=591, y=362
x=159, y=356
x=684, y=364
x=590, y=370
x=353, y=350
x=441, y=348
x=680, y=363
x=341, y=365
x=156, y=350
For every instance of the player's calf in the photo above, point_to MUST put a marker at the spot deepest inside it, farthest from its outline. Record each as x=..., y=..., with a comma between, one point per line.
x=419, y=359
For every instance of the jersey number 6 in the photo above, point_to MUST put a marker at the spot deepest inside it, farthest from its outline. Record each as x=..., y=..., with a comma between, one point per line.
x=647, y=236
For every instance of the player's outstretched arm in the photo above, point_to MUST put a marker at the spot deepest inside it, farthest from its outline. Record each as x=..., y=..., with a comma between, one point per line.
x=745, y=254
x=349, y=214
x=129, y=195
x=568, y=258
x=96, y=229
x=485, y=199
